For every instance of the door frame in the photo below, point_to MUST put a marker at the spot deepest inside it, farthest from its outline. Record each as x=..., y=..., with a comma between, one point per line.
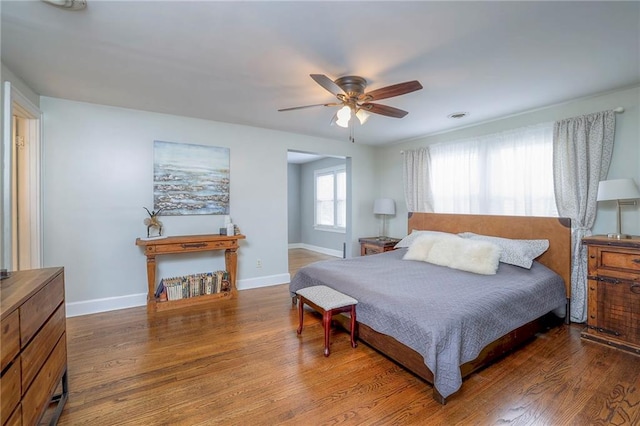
x=347, y=245
x=15, y=103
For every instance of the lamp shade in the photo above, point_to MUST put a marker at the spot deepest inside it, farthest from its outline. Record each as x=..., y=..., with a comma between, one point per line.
x=618, y=189
x=384, y=206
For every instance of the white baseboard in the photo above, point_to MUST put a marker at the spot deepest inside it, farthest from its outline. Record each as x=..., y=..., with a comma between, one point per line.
x=263, y=281
x=323, y=250
x=95, y=306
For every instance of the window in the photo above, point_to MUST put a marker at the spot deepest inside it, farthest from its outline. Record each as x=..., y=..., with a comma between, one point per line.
x=331, y=196
x=509, y=173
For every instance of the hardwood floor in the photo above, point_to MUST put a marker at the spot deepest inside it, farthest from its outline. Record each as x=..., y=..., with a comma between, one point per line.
x=301, y=257
x=241, y=362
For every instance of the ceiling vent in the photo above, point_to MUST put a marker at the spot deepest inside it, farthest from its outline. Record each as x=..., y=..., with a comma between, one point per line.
x=458, y=115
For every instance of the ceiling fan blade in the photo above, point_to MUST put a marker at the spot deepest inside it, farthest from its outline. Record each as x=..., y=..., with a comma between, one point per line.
x=327, y=83
x=384, y=110
x=308, y=106
x=391, y=91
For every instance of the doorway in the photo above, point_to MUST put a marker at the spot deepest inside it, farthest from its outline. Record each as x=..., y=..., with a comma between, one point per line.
x=305, y=230
x=21, y=182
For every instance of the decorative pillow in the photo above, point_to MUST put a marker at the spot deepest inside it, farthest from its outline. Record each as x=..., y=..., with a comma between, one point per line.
x=406, y=241
x=480, y=257
x=514, y=252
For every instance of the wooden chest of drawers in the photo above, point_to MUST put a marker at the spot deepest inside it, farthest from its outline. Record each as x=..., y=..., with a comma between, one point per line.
x=373, y=245
x=613, y=291
x=33, y=354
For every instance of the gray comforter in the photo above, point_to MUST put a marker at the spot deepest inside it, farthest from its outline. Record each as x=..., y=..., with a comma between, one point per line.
x=446, y=315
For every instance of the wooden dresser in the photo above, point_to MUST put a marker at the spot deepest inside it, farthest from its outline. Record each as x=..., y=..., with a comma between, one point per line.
x=373, y=245
x=613, y=291
x=34, y=346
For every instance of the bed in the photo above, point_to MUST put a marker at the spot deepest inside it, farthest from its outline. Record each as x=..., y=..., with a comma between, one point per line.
x=441, y=323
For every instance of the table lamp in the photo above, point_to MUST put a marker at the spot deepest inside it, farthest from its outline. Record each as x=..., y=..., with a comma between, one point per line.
x=384, y=207
x=618, y=190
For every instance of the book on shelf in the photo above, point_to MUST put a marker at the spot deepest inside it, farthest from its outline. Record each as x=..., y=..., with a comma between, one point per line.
x=187, y=286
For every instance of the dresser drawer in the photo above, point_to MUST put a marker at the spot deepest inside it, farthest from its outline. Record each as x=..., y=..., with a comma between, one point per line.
x=36, y=399
x=619, y=259
x=10, y=339
x=191, y=246
x=36, y=353
x=10, y=390
x=35, y=311
x=372, y=250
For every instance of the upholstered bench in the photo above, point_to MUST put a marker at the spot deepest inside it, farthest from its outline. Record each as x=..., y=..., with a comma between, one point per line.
x=328, y=302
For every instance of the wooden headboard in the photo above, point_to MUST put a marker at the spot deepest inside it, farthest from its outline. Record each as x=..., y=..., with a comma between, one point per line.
x=556, y=230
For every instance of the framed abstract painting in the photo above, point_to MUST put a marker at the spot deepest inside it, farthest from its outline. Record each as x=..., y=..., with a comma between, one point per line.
x=190, y=179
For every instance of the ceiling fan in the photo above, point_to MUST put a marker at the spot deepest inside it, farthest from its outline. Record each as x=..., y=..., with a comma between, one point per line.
x=350, y=91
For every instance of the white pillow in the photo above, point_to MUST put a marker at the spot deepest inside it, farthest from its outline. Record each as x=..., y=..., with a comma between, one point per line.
x=514, y=252
x=480, y=257
x=406, y=241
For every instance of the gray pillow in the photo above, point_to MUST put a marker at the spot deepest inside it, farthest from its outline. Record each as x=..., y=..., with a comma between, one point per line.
x=514, y=252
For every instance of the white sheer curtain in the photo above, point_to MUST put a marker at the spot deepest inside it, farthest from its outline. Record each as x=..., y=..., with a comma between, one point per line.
x=415, y=173
x=582, y=149
x=507, y=173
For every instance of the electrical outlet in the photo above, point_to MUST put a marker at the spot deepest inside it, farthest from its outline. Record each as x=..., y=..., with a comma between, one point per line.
x=258, y=263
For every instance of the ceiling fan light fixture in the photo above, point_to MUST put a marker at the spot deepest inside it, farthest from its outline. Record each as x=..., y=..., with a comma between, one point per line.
x=344, y=115
x=342, y=123
x=363, y=116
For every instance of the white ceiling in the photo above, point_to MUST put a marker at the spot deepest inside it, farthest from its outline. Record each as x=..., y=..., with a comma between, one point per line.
x=239, y=62
x=295, y=157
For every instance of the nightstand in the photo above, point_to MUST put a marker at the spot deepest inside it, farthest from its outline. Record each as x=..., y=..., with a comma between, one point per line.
x=613, y=292
x=373, y=245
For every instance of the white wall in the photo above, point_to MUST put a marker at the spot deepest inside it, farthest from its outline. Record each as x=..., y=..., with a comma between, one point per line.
x=98, y=176
x=624, y=163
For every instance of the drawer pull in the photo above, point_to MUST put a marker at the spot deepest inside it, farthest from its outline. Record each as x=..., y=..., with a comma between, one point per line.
x=193, y=245
x=637, y=260
x=635, y=289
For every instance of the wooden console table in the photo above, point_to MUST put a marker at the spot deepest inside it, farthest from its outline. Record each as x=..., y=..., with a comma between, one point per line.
x=189, y=244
